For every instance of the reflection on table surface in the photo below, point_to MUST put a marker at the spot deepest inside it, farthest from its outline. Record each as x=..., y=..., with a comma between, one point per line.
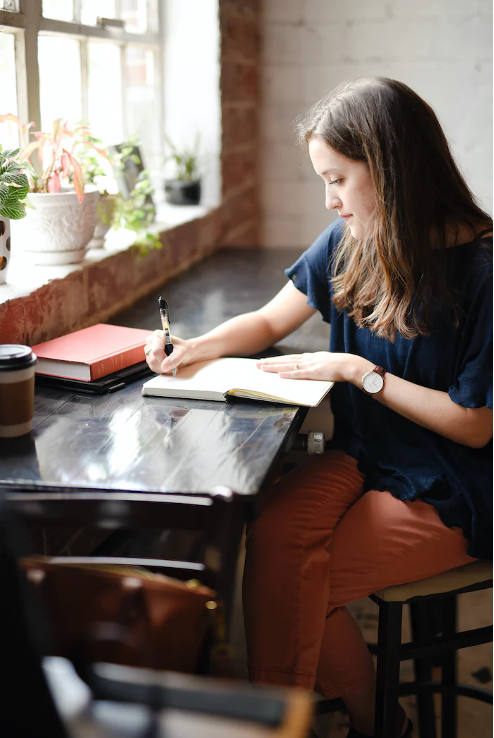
x=124, y=441
x=127, y=442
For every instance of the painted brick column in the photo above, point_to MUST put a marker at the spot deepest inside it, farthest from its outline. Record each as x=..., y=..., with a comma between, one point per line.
x=239, y=24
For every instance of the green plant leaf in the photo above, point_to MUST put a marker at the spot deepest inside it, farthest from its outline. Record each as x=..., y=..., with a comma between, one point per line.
x=13, y=178
x=10, y=153
x=15, y=211
x=11, y=168
x=18, y=185
x=4, y=193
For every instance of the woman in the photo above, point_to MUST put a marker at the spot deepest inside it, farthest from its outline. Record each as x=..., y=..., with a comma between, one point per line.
x=404, y=278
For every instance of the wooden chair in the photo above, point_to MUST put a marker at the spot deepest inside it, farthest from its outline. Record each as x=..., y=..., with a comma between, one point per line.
x=424, y=647
x=27, y=709
x=124, y=700
x=219, y=516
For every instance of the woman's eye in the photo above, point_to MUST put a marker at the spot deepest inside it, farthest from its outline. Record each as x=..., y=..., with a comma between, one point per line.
x=335, y=181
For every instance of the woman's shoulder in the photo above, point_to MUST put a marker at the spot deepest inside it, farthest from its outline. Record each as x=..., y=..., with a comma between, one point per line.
x=473, y=260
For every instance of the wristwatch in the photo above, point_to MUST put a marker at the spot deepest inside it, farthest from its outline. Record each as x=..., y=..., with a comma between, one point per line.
x=373, y=381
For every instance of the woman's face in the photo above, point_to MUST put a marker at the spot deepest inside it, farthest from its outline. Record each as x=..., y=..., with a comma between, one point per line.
x=349, y=188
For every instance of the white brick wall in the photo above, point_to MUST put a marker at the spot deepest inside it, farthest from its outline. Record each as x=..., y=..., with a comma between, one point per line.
x=441, y=48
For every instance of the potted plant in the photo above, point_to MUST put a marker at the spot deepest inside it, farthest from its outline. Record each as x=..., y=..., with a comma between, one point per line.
x=14, y=186
x=136, y=212
x=131, y=209
x=98, y=171
x=184, y=188
x=60, y=226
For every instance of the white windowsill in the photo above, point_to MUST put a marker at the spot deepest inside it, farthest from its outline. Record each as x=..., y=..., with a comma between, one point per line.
x=24, y=277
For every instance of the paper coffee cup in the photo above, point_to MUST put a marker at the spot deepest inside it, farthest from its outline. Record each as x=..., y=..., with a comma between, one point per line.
x=16, y=389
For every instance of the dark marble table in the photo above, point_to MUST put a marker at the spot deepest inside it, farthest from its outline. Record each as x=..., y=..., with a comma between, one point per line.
x=126, y=443
x=113, y=460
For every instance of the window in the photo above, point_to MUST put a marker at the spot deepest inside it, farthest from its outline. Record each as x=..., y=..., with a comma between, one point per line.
x=93, y=60
x=10, y=5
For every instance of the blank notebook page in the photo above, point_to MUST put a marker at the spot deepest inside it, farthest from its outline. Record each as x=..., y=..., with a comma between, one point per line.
x=230, y=374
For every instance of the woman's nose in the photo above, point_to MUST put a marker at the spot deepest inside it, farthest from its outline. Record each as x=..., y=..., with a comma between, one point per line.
x=332, y=202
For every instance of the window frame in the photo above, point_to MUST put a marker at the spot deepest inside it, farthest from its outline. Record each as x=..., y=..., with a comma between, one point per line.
x=28, y=24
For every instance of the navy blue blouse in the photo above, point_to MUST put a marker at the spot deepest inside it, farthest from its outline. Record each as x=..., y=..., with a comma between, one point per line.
x=394, y=453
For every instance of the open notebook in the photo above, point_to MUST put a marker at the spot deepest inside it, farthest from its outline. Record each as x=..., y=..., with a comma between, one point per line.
x=216, y=379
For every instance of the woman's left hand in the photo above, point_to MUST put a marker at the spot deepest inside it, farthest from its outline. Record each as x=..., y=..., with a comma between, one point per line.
x=330, y=367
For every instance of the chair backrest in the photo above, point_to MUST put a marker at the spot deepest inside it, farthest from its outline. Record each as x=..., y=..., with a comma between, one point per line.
x=219, y=516
x=27, y=709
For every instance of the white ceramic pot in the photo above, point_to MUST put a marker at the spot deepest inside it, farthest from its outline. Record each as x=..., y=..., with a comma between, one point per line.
x=4, y=248
x=60, y=228
x=105, y=212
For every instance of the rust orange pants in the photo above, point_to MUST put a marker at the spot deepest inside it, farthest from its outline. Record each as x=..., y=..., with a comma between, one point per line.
x=318, y=544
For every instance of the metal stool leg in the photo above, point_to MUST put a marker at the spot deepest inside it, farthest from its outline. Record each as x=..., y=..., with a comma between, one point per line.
x=423, y=670
x=449, y=709
x=388, y=668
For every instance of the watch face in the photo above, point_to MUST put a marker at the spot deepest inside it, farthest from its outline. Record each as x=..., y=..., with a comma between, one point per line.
x=372, y=382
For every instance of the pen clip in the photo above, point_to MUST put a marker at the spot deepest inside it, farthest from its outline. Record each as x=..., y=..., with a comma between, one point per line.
x=165, y=321
x=164, y=308
x=165, y=316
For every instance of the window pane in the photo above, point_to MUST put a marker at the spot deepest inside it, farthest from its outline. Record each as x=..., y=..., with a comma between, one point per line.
x=9, y=137
x=60, y=79
x=91, y=10
x=135, y=15
x=153, y=20
x=142, y=104
x=58, y=9
x=105, y=92
x=11, y=5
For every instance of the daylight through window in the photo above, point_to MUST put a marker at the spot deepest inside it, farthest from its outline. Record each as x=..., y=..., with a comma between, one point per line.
x=92, y=60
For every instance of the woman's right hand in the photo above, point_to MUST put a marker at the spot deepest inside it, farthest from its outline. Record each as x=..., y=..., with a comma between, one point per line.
x=155, y=353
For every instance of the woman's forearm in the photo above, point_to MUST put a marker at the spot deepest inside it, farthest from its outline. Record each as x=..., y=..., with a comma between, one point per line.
x=251, y=333
x=430, y=408
x=244, y=335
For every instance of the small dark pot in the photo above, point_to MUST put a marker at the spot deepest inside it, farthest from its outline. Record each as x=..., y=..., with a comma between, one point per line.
x=178, y=192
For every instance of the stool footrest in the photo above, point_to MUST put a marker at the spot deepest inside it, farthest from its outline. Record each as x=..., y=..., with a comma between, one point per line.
x=434, y=687
x=443, y=644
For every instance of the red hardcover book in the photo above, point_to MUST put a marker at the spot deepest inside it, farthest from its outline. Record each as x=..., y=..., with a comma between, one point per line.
x=91, y=353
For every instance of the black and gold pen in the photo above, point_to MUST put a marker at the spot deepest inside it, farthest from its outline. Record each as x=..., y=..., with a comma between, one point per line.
x=165, y=322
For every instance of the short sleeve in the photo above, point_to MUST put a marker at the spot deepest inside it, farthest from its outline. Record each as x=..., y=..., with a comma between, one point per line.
x=310, y=274
x=473, y=384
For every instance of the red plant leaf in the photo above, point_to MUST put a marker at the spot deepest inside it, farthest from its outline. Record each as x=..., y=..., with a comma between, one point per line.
x=78, y=181
x=101, y=152
x=54, y=184
x=11, y=117
x=26, y=153
x=65, y=161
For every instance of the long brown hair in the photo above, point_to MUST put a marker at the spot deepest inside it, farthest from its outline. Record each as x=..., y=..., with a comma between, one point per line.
x=392, y=279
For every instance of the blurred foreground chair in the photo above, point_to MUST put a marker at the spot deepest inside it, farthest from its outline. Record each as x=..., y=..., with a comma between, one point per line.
x=150, y=703
x=27, y=709
x=141, y=620
x=218, y=516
